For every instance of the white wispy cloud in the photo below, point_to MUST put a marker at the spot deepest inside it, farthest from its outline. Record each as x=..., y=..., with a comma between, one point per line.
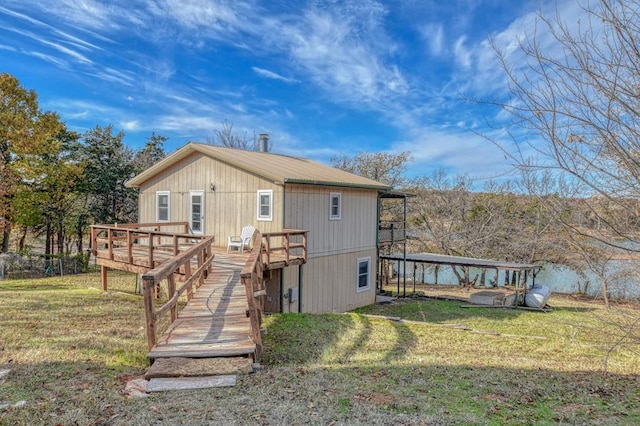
x=79, y=57
x=209, y=16
x=96, y=14
x=60, y=63
x=108, y=74
x=131, y=125
x=331, y=49
x=462, y=53
x=272, y=75
x=433, y=35
x=76, y=41
x=454, y=151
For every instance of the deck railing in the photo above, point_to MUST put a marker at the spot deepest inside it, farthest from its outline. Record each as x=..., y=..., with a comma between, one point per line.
x=106, y=239
x=390, y=232
x=200, y=256
x=292, y=243
x=252, y=278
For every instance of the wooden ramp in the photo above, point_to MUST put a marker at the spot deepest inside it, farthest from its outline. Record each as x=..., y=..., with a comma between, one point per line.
x=214, y=322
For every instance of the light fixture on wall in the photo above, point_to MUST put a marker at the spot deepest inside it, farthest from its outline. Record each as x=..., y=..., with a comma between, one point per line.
x=212, y=187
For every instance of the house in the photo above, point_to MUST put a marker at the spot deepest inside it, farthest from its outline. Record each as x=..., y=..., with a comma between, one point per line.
x=219, y=190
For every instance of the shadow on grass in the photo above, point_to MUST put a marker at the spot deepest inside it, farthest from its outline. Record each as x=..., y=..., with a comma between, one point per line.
x=445, y=311
x=91, y=393
x=307, y=338
x=458, y=394
x=301, y=338
x=117, y=281
x=80, y=392
x=36, y=284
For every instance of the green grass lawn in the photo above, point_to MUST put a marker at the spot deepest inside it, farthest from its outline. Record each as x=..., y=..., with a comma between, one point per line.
x=70, y=347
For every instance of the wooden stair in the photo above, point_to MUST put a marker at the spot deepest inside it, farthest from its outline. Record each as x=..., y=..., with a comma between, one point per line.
x=214, y=322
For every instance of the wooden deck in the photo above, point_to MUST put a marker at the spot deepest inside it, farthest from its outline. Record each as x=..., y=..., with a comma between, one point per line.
x=224, y=292
x=214, y=322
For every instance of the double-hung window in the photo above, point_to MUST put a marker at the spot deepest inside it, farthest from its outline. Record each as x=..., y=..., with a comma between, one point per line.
x=335, y=206
x=265, y=204
x=363, y=275
x=162, y=206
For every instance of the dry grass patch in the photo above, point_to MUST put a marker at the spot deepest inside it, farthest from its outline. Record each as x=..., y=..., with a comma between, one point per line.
x=70, y=349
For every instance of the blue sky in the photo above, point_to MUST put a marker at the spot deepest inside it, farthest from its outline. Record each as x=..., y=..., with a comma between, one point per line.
x=321, y=77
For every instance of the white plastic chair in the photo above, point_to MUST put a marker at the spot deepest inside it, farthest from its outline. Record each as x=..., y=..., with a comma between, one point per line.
x=242, y=240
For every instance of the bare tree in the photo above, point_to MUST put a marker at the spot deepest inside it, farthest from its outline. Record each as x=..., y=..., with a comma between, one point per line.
x=579, y=95
x=575, y=86
x=226, y=136
x=383, y=167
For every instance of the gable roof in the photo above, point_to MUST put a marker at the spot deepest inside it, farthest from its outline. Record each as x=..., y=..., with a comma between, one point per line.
x=280, y=169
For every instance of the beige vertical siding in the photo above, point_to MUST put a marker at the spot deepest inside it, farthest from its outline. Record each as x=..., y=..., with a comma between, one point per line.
x=330, y=283
x=329, y=277
x=231, y=206
x=290, y=280
x=307, y=207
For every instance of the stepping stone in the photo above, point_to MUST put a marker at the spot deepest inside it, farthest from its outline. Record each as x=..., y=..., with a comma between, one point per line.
x=198, y=367
x=183, y=383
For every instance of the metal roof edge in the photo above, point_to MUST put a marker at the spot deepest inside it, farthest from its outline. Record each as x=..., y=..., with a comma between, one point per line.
x=336, y=184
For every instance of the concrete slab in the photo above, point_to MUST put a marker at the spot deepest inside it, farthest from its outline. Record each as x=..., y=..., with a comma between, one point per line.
x=183, y=383
x=487, y=298
x=384, y=299
x=510, y=300
x=198, y=367
x=4, y=372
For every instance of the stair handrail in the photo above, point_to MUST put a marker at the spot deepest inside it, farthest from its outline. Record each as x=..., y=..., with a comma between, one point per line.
x=179, y=264
x=252, y=278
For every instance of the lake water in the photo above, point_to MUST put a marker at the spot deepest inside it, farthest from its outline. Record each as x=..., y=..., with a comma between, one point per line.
x=623, y=276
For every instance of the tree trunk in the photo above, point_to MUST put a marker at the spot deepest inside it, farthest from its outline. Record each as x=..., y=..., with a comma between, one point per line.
x=60, y=230
x=461, y=277
x=6, y=235
x=48, y=245
x=22, y=240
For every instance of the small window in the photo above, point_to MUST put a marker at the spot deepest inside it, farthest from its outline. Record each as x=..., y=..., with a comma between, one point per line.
x=162, y=203
x=363, y=273
x=335, y=206
x=265, y=204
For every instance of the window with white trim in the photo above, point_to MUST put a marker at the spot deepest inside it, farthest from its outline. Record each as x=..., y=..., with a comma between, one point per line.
x=335, y=206
x=265, y=204
x=364, y=274
x=163, y=213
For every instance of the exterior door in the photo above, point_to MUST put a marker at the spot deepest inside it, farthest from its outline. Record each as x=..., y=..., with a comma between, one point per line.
x=196, y=212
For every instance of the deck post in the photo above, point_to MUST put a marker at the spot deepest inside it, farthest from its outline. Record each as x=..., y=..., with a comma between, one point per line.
x=110, y=243
x=94, y=240
x=304, y=249
x=187, y=275
x=148, y=285
x=129, y=247
x=103, y=277
x=150, y=260
x=171, y=288
x=286, y=248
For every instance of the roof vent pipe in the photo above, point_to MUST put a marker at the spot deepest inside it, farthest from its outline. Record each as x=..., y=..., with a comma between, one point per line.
x=264, y=142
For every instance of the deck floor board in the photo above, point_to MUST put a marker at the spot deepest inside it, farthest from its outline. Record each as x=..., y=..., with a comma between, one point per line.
x=214, y=322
